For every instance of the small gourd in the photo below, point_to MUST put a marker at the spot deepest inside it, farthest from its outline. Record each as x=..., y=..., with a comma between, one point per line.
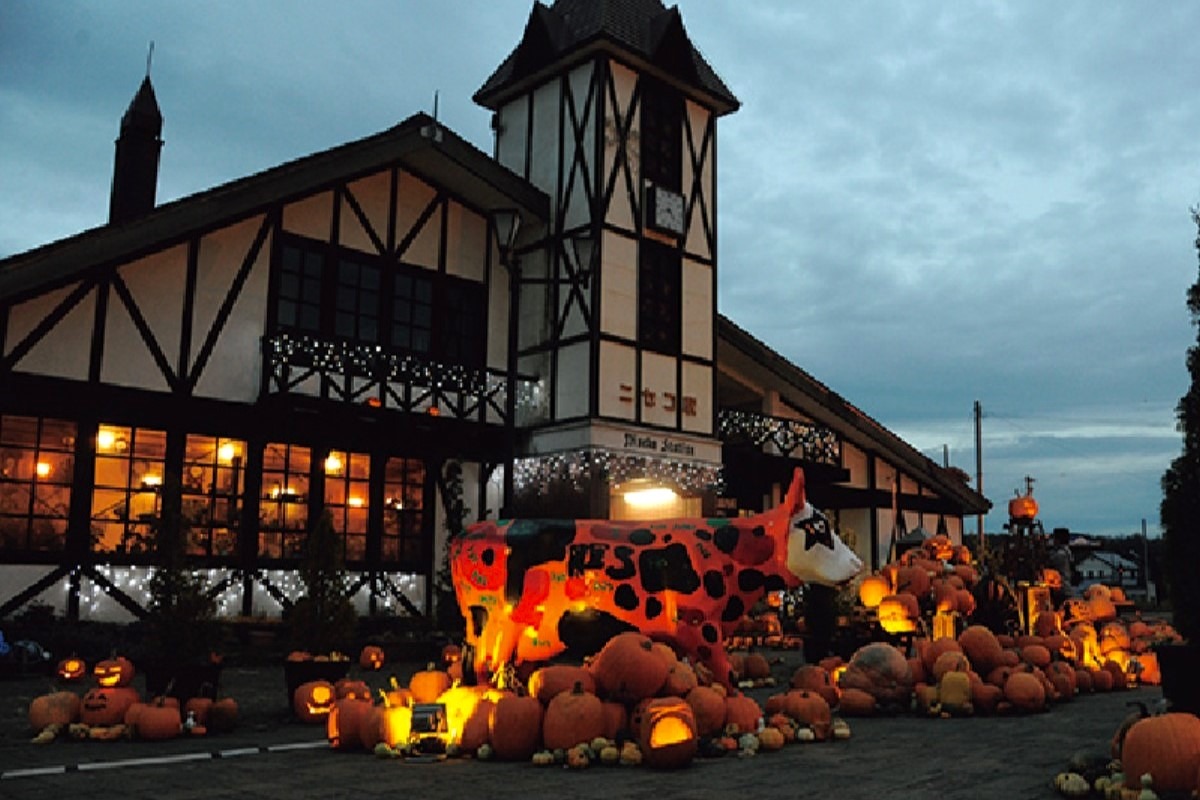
x=631, y=754
x=748, y=742
x=1147, y=792
x=543, y=758
x=1071, y=784
x=770, y=738
x=841, y=729
x=578, y=758
x=610, y=755
x=805, y=734
x=484, y=751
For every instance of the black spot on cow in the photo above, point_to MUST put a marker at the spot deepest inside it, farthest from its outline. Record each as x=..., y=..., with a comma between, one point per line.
x=667, y=568
x=533, y=542
x=583, y=633
x=641, y=537
x=624, y=554
x=714, y=584
x=775, y=583
x=750, y=580
x=488, y=557
x=734, y=609
x=710, y=634
x=654, y=607
x=625, y=598
x=726, y=539
x=703, y=535
x=666, y=538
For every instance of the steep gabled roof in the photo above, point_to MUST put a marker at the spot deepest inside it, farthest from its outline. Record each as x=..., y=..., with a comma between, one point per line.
x=642, y=29
x=851, y=423
x=419, y=144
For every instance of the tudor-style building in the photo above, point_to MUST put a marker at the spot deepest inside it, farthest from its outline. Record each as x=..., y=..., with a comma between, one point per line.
x=378, y=329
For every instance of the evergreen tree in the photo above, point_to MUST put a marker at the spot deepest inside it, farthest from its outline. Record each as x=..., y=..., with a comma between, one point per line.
x=1180, y=510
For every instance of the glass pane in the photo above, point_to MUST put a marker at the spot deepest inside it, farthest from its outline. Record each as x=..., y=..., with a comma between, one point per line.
x=14, y=498
x=58, y=435
x=20, y=431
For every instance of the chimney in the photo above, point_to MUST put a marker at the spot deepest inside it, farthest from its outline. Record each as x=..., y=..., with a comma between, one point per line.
x=135, y=170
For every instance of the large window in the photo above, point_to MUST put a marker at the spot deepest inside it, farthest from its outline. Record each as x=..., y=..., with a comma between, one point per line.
x=283, y=509
x=36, y=464
x=347, y=486
x=404, y=540
x=339, y=293
x=213, y=476
x=662, y=135
x=659, y=298
x=126, y=501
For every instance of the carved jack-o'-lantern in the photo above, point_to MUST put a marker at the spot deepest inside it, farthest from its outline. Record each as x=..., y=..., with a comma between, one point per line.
x=1023, y=507
x=313, y=701
x=371, y=657
x=107, y=705
x=115, y=671
x=898, y=613
x=71, y=670
x=667, y=732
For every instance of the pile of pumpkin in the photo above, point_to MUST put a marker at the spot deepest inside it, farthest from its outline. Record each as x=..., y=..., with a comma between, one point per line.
x=113, y=708
x=937, y=576
x=978, y=672
x=634, y=702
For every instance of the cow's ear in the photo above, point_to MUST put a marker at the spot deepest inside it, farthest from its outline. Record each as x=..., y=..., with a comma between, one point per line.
x=794, y=500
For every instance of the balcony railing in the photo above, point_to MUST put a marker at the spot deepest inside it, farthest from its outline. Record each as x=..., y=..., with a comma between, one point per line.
x=378, y=376
x=780, y=436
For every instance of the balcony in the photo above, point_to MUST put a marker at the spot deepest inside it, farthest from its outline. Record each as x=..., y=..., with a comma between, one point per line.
x=380, y=377
x=790, y=438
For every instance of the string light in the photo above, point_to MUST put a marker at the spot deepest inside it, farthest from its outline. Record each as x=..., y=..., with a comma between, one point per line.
x=579, y=467
x=817, y=444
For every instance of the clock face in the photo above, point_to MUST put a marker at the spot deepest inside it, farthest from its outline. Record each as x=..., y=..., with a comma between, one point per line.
x=666, y=210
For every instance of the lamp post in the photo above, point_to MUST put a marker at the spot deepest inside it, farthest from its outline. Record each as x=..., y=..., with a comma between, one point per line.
x=507, y=225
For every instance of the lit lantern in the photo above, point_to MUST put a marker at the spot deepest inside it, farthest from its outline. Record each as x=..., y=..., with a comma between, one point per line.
x=463, y=704
x=873, y=589
x=395, y=724
x=898, y=613
x=71, y=670
x=115, y=671
x=945, y=625
x=667, y=732
x=313, y=701
x=371, y=657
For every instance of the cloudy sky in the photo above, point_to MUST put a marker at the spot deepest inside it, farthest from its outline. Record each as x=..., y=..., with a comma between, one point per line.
x=923, y=204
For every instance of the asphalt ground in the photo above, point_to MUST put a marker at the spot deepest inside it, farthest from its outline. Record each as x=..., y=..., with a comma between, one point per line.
x=273, y=757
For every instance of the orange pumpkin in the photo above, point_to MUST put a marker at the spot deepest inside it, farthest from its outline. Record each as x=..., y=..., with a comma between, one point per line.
x=107, y=706
x=628, y=669
x=1168, y=747
x=810, y=709
x=812, y=678
x=881, y=670
x=1025, y=691
x=856, y=703
x=371, y=657
x=515, y=726
x=55, y=708
x=873, y=589
x=312, y=701
x=981, y=647
x=743, y=712
x=199, y=708
x=666, y=733
x=345, y=722
x=115, y=671
x=159, y=720
x=71, y=670
x=425, y=685
x=548, y=681
x=708, y=709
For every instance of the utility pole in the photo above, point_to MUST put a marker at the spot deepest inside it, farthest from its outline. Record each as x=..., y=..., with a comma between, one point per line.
x=979, y=468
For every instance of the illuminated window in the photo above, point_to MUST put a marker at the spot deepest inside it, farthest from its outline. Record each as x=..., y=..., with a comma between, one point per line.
x=213, y=478
x=126, y=500
x=36, y=464
x=283, y=509
x=347, y=482
x=404, y=541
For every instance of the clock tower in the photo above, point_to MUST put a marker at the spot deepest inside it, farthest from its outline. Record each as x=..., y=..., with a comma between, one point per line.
x=608, y=107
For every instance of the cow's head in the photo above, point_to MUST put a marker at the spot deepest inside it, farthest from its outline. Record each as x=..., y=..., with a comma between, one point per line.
x=815, y=553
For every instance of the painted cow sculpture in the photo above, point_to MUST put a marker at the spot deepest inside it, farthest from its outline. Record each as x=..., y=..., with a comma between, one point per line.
x=531, y=589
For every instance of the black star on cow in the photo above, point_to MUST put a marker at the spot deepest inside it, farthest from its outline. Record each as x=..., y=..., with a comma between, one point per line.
x=816, y=531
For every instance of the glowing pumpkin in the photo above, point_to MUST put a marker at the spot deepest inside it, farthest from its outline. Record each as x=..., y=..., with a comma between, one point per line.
x=1023, y=507
x=115, y=671
x=107, y=706
x=873, y=589
x=666, y=732
x=312, y=701
x=71, y=670
x=371, y=657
